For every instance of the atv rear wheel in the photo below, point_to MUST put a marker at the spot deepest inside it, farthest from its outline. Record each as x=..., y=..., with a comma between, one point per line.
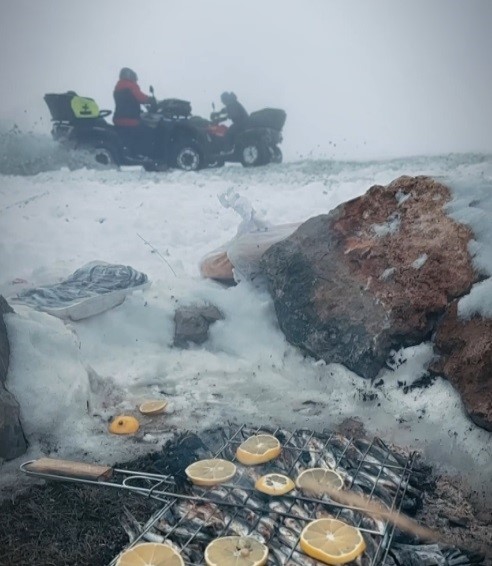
x=104, y=155
x=253, y=154
x=188, y=158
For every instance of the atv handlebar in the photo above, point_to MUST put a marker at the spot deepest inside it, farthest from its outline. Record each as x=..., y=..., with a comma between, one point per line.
x=152, y=105
x=218, y=117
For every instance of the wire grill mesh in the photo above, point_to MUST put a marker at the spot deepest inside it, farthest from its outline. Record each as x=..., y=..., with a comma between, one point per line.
x=191, y=520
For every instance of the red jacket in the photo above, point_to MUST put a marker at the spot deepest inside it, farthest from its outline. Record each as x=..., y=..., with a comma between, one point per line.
x=128, y=97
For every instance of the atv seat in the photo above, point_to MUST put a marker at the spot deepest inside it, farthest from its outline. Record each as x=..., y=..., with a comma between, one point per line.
x=69, y=107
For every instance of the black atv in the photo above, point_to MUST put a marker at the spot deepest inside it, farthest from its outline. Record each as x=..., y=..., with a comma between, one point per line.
x=179, y=139
x=256, y=143
x=79, y=124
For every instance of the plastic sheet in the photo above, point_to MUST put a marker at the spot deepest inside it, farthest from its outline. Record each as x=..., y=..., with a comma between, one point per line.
x=92, y=289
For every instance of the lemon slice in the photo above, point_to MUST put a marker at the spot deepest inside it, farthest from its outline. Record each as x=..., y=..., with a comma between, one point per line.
x=319, y=481
x=210, y=472
x=274, y=484
x=258, y=449
x=236, y=551
x=152, y=407
x=332, y=541
x=150, y=554
x=124, y=424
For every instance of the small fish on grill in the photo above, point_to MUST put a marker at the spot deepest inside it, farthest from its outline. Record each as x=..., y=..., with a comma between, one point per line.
x=374, y=474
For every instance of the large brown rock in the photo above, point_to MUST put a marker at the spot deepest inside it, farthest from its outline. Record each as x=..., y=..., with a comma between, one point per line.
x=12, y=440
x=466, y=361
x=373, y=274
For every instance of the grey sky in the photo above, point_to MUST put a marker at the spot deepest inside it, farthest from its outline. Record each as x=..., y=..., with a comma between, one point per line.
x=376, y=77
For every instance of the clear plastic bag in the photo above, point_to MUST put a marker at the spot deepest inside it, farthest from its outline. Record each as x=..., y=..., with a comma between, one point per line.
x=245, y=251
x=240, y=257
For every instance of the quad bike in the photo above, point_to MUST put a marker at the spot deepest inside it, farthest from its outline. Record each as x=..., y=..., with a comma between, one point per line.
x=254, y=144
x=179, y=139
x=79, y=124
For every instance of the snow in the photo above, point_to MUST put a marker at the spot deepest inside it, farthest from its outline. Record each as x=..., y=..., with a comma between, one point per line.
x=71, y=377
x=387, y=273
x=401, y=197
x=479, y=301
x=390, y=227
x=420, y=261
x=473, y=206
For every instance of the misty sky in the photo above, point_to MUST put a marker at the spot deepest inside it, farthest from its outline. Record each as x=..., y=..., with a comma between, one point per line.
x=377, y=78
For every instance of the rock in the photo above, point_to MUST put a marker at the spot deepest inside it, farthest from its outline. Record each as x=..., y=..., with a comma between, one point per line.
x=372, y=275
x=12, y=440
x=4, y=341
x=466, y=361
x=191, y=324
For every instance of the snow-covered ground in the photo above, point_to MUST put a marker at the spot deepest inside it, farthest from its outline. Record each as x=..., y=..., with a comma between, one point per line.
x=70, y=378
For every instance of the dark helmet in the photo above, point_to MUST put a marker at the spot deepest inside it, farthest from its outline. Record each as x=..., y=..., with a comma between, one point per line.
x=128, y=74
x=228, y=97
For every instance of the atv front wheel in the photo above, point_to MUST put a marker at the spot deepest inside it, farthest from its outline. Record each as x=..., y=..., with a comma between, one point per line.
x=188, y=158
x=253, y=154
x=275, y=154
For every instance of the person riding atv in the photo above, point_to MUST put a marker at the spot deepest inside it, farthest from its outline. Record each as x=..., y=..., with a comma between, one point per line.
x=235, y=112
x=128, y=97
x=252, y=139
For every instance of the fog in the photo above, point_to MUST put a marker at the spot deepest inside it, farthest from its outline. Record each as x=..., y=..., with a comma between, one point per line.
x=358, y=79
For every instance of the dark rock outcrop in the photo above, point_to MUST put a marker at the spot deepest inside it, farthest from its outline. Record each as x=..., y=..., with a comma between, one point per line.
x=466, y=361
x=12, y=440
x=373, y=274
x=191, y=324
x=4, y=341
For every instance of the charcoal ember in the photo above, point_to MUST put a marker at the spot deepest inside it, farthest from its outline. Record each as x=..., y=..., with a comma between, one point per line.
x=418, y=555
x=431, y=555
x=484, y=516
x=462, y=557
x=412, y=505
x=177, y=454
x=455, y=521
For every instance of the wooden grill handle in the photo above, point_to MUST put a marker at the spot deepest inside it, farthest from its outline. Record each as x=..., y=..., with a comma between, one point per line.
x=70, y=468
